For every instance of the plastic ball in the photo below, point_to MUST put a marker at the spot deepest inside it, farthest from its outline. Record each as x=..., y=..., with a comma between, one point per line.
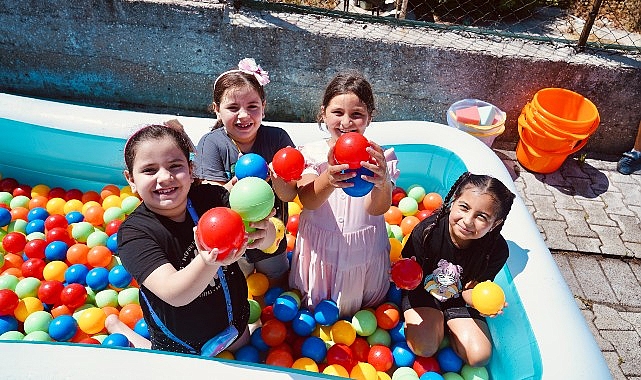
x=271, y=294
x=27, y=287
x=351, y=149
x=74, y=216
x=360, y=349
x=116, y=340
x=142, y=329
x=257, y=341
x=37, y=225
x=279, y=358
x=112, y=243
x=97, y=238
x=248, y=354
x=304, y=323
x=274, y=332
x=129, y=204
x=335, y=370
x=33, y=268
x=8, y=323
x=19, y=201
x=5, y=217
x=404, y=373
x=77, y=273
x=432, y=201
x=364, y=322
x=92, y=320
x=129, y=295
x=27, y=306
x=396, y=232
x=9, y=301
x=55, y=270
x=251, y=165
x=315, y=348
x=56, y=250
x=361, y=187
x=408, y=223
x=380, y=336
x=292, y=224
x=403, y=355
x=252, y=198
x=63, y=328
x=343, y=332
x=119, y=277
x=130, y=314
x=431, y=376
x=417, y=192
x=474, y=373
x=37, y=336
x=254, y=311
x=448, y=360
x=73, y=206
x=363, y=371
x=12, y=335
x=99, y=256
x=423, y=214
x=288, y=163
x=112, y=227
x=257, y=284
x=112, y=200
x=49, y=291
x=106, y=297
x=37, y=321
x=221, y=228
x=423, y=364
x=408, y=206
x=285, y=308
x=407, y=274
x=305, y=364
x=380, y=357
x=14, y=242
x=326, y=312
x=73, y=295
x=8, y=281
x=388, y=315
x=488, y=297
x=97, y=278
x=397, y=333
x=342, y=355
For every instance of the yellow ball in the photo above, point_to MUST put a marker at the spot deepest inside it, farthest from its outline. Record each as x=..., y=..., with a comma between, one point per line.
x=323, y=332
x=488, y=298
x=305, y=364
x=382, y=376
x=293, y=208
x=343, y=332
x=42, y=190
x=298, y=202
x=336, y=370
x=405, y=238
x=363, y=371
x=111, y=201
x=89, y=204
x=225, y=355
x=126, y=191
x=55, y=270
x=72, y=205
x=26, y=307
x=92, y=320
x=257, y=284
x=395, y=250
x=56, y=206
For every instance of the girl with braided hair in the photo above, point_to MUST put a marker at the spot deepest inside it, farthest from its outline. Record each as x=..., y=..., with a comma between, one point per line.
x=458, y=246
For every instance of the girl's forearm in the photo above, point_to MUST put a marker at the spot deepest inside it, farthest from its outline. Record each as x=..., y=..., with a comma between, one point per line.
x=178, y=288
x=313, y=194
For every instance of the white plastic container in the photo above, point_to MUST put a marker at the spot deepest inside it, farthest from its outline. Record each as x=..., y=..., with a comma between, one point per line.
x=485, y=133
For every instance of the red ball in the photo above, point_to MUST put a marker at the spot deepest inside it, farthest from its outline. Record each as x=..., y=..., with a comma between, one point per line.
x=221, y=228
x=22, y=190
x=387, y=316
x=350, y=149
x=8, y=301
x=288, y=163
x=33, y=268
x=14, y=242
x=407, y=274
x=35, y=249
x=56, y=220
x=360, y=349
x=422, y=214
x=380, y=357
x=279, y=358
x=424, y=364
x=8, y=184
x=273, y=332
x=57, y=192
x=112, y=227
x=340, y=353
x=292, y=224
x=73, y=295
x=397, y=194
x=58, y=234
x=49, y=291
x=73, y=194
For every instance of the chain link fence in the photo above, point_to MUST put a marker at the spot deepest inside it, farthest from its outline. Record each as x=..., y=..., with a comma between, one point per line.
x=605, y=25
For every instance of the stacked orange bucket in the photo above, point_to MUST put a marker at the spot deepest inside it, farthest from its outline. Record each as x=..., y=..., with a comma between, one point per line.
x=555, y=124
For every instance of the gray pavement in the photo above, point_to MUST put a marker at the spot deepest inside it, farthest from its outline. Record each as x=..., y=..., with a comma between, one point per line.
x=590, y=218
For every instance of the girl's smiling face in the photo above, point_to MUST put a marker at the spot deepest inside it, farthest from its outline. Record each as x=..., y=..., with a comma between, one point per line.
x=241, y=111
x=471, y=216
x=346, y=113
x=162, y=177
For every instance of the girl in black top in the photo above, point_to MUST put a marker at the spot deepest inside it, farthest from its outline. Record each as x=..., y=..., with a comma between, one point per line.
x=457, y=247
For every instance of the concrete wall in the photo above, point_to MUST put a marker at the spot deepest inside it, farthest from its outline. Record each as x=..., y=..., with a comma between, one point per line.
x=164, y=56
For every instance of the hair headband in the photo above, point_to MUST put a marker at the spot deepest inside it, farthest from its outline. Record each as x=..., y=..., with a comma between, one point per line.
x=248, y=66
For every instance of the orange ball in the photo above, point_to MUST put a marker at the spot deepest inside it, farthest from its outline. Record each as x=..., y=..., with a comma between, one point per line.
x=12, y=271
x=77, y=254
x=257, y=284
x=110, y=310
x=432, y=201
x=291, y=242
x=130, y=314
x=94, y=215
x=99, y=256
x=60, y=310
x=395, y=250
x=40, y=190
x=408, y=223
x=279, y=358
x=109, y=190
x=19, y=213
x=393, y=215
x=12, y=260
x=38, y=201
x=387, y=316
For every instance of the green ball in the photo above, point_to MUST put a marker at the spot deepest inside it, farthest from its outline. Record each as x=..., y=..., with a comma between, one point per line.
x=91, y=296
x=388, y=228
x=417, y=192
x=81, y=231
x=129, y=204
x=127, y=296
x=37, y=321
x=397, y=232
x=38, y=336
x=380, y=336
x=18, y=225
x=5, y=198
x=12, y=335
x=452, y=376
x=252, y=198
x=76, y=313
x=474, y=373
x=27, y=287
x=36, y=236
x=1, y=256
x=100, y=338
x=113, y=213
x=8, y=281
x=364, y=322
x=107, y=297
x=97, y=238
x=404, y=373
x=254, y=311
x=19, y=201
x=408, y=206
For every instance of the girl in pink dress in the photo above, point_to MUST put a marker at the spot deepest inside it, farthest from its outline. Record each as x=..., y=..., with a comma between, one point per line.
x=342, y=247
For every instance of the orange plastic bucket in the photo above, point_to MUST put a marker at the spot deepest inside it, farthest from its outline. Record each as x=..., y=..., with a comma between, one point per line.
x=552, y=128
x=540, y=139
x=567, y=109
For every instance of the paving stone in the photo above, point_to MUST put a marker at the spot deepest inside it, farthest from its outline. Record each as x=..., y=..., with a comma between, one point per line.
x=586, y=244
x=565, y=202
x=619, y=178
x=603, y=343
x=631, y=193
x=592, y=279
x=615, y=204
x=533, y=184
x=622, y=281
x=631, y=231
x=569, y=277
x=555, y=236
x=628, y=346
x=544, y=208
x=634, y=318
x=596, y=212
x=636, y=209
x=571, y=168
x=633, y=250
x=612, y=359
x=608, y=318
x=576, y=224
x=611, y=241
x=635, y=266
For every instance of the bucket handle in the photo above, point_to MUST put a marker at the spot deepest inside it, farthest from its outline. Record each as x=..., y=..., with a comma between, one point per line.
x=576, y=148
x=531, y=111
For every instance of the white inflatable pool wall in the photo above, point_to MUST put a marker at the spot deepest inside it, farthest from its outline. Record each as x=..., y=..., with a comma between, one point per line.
x=567, y=347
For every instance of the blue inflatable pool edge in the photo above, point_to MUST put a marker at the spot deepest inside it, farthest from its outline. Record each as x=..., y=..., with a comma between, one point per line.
x=80, y=147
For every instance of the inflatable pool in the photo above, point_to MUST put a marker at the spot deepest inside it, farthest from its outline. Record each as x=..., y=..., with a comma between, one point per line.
x=541, y=335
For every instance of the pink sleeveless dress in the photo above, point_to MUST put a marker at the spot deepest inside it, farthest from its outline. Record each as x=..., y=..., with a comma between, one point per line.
x=342, y=252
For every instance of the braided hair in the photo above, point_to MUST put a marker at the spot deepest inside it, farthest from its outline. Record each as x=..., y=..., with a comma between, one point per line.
x=503, y=199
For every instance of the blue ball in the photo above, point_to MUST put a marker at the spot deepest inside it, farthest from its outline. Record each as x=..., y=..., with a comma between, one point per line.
x=304, y=323
x=5, y=217
x=361, y=187
x=74, y=217
x=119, y=277
x=116, y=340
x=112, y=243
x=403, y=355
x=326, y=312
x=56, y=250
x=37, y=213
x=257, y=340
x=8, y=323
x=98, y=278
x=141, y=328
x=271, y=294
x=248, y=353
x=37, y=225
x=77, y=273
x=397, y=333
x=285, y=308
x=251, y=165
x=431, y=376
x=63, y=327
x=394, y=295
x=314, y=348
x=448, y=360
